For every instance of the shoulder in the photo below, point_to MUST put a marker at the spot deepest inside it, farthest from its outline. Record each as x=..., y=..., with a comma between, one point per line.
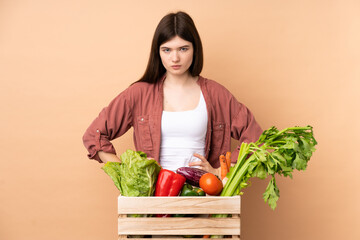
x=138, y=89
x=132, y=93
x=214, y=88
x=140, y=86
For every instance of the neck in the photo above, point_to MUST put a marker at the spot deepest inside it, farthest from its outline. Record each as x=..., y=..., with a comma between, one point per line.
x=179, y=80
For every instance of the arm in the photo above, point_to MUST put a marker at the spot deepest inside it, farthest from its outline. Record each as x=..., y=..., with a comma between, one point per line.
x=112, y=122
x=108, y=157
x=244, y=128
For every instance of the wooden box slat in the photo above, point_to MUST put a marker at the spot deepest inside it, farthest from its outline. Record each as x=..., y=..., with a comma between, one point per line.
x=181, y=205
x=176, y=227
x=179, y=226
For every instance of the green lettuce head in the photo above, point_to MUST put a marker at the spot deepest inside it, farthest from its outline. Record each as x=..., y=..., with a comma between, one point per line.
x=135, y=176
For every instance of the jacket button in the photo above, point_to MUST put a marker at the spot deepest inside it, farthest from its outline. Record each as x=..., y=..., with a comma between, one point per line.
x=142, y=119
x=97, y=130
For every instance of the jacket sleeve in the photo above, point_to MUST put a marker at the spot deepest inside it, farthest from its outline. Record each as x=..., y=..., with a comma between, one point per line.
x=243, y=128
x=112, y=122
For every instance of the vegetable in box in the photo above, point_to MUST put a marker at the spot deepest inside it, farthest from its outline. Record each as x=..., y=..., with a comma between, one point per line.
x=135, y=176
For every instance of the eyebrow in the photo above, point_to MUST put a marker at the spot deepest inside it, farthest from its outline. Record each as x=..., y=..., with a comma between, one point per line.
x=178, y=47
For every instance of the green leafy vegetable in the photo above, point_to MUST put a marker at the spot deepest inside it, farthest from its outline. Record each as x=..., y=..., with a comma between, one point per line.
x=135, y=176
x=276, y=152
x=113, y=170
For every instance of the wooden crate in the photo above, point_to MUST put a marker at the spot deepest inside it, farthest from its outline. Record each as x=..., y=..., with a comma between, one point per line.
x=177, y=226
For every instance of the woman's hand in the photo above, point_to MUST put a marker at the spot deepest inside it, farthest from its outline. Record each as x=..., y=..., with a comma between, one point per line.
x=204, y=165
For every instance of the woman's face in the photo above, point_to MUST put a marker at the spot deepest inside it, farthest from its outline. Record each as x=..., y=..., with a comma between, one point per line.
x=176, y=55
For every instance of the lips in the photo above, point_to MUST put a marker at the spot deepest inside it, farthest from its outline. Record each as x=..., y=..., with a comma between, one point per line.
x=176, y=66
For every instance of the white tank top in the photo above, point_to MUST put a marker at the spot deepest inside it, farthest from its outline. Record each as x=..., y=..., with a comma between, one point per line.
x=182, y=135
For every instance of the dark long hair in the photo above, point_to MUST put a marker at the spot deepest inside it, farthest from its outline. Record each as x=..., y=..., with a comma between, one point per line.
x=173, y=24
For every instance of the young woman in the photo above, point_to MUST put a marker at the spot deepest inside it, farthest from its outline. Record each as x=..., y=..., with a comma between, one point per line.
x=179, y=117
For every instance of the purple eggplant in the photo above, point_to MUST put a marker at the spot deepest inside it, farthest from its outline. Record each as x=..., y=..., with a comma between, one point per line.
x=192, y=175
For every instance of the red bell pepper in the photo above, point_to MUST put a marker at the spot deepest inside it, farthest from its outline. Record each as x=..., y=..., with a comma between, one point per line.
x=169, y=183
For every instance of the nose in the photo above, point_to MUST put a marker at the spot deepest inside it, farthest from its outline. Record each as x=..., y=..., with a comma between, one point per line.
x=175, y=56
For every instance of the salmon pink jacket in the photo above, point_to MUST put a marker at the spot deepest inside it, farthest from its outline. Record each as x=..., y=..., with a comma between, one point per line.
x=140, y=106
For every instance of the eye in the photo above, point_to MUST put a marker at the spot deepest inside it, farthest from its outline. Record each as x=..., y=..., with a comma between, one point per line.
x=183, y=49
x=166, y=50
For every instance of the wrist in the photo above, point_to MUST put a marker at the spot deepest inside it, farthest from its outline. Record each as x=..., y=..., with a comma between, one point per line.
x=108, y=157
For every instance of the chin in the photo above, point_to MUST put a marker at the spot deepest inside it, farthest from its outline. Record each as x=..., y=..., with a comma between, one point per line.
x=177, y=73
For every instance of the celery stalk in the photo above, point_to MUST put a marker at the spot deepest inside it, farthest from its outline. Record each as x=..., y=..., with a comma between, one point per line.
x=274, y=152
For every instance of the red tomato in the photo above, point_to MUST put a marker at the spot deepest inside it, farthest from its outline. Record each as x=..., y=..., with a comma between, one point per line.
x=211, y=184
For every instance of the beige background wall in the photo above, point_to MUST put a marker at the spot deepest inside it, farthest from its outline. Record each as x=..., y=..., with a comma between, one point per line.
x=291, y=62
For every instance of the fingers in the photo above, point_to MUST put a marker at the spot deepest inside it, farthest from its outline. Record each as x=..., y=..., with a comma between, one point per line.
x=201, y=157
x=199, y=163
x=202, y=164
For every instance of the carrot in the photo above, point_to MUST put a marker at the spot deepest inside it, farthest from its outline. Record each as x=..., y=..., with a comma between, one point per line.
x=228, y=160
x=223, y=165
